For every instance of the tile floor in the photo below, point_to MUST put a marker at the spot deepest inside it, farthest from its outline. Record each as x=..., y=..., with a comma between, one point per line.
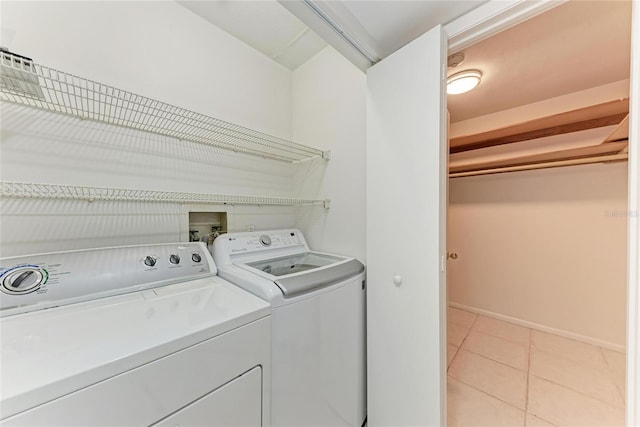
x=502, y=374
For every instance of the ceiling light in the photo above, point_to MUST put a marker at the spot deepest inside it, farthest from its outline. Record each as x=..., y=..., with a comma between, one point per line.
x=463, y=81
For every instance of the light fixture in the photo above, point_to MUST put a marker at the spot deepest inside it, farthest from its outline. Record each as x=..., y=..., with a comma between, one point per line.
x=463, y=81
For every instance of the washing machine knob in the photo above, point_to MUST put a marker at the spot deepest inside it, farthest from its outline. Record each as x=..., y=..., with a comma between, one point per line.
x=174, y=259
x=22, y=281
x=265, y=240
x=196, y=258
x=150, y=261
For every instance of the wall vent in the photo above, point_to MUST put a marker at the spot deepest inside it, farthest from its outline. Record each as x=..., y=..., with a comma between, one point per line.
x=18, y=75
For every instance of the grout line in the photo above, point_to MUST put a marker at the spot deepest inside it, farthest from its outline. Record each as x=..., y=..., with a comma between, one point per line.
x=488, y=394
x=453, y=358
x=538, y=416
x=513, y=341
x=493, y=360
x=612, y=377
x=469, y=330
x=586, y=365
x=617, y=408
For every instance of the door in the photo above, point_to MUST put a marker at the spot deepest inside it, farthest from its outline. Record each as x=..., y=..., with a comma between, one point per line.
x=406, y=232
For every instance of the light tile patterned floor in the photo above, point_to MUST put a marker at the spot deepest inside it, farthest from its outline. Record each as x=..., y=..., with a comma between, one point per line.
x=502, y=374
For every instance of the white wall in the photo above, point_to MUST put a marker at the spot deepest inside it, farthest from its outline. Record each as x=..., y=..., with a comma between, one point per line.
x=329, y=111
x=545, y=246
x=160, y=50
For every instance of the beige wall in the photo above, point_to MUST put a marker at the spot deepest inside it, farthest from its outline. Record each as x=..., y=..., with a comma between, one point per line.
x=544, y=247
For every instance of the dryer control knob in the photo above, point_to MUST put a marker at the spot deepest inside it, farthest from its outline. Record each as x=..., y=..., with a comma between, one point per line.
x=196, y=258
x=22, y=281
x=149, y=261
x=265, y=240
x=174, y=259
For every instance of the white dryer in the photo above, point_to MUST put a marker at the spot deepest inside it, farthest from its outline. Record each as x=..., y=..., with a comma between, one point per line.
x=318, y=324
x=130, y=336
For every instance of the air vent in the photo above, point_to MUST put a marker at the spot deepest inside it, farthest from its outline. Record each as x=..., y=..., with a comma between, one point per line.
x=17, y=75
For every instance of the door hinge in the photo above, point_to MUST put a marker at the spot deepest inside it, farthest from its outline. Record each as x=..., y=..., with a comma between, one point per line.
x=442, y=264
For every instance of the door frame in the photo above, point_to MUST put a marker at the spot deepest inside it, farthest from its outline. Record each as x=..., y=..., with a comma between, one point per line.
x=498, y=15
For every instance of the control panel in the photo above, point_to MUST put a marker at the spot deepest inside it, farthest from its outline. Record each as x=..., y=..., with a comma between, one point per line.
x=45, y=280
x=240, y=247
x=269, y=240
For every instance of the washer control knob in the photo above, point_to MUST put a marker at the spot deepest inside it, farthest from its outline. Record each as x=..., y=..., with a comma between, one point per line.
x=265, y=240
x=150, y=261
x=196, y=258
x=174, y=259
x=22, y=281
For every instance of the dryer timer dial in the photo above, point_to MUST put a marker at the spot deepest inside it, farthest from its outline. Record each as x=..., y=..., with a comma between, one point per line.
x=22, y=280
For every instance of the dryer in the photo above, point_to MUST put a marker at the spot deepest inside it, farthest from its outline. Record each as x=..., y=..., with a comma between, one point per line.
x=318, y=324
x=130, y=336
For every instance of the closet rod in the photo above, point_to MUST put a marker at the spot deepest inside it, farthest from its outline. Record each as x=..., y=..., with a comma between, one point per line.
x=546, y=165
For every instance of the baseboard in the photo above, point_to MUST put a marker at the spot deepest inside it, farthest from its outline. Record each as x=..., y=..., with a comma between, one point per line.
x=543, y=328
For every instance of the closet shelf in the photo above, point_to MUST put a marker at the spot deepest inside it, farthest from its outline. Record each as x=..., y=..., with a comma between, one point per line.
x=582, y=153
x=26, y=83
x=613, y=148
x=591, y=117
x=26, y=190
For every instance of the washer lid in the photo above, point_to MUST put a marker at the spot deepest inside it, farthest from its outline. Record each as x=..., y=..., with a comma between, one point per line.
x=48, y=353
x=319, y=278
x=305, y=272
x=286, y=265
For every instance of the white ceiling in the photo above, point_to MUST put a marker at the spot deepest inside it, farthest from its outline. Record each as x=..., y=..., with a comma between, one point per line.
x=381, y=26
x=394, y=23
x=265, y=25
x=577, y=45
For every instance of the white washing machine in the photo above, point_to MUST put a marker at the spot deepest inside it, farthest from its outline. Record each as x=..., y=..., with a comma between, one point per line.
x=130, y=336
x=318, y=324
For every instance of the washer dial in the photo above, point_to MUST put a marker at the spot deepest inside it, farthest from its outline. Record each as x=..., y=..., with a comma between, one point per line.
x=22, y=280
x=265, y=240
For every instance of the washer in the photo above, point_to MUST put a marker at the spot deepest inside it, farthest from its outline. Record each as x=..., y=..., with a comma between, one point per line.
x=318, y=324
x=131, y=336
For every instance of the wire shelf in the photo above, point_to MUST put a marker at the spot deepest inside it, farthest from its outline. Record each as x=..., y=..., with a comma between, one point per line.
x=26, y=83
x=24, y=190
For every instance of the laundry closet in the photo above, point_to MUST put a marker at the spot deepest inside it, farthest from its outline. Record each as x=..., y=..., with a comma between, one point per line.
x=266, y=167
x=537, y=219
x=133, y=135
x=178, y=121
